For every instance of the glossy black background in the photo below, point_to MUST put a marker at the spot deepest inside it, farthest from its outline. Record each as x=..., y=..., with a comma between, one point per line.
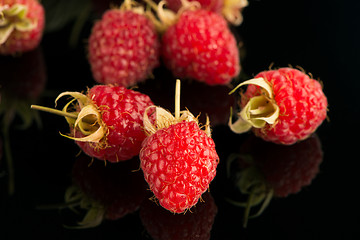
x=320, y=36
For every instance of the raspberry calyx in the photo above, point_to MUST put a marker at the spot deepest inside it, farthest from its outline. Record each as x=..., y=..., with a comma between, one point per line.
x=85, y=116
x=88, y=119
x=259, y=110
x=14, y=18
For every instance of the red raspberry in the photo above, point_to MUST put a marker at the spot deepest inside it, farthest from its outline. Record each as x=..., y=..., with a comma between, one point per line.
x=178, y=159
x=266, y=169
x=283, y=106
x=107, y=122
x=201, y=46
x=179, y=162
x=123, y=46
x=22, y=25
x=230, y=9
x=103, y=191
x=194, y=225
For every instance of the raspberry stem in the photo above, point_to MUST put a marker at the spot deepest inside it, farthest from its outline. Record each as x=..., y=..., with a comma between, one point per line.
x=177, y=99
x=54, y=111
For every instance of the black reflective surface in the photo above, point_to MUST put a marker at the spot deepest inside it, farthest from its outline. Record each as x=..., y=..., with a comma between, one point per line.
x=320, y=36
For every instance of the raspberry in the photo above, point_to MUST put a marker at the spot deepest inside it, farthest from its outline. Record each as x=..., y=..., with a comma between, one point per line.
x=197, y=44
x=276, y=170
x=194, y=225
x=179, y=163
x=178, y=159
x=22, y=25
x=200, y=46
x=282, y=106
x=123, y=46
x=107, y=122
x=103, y=191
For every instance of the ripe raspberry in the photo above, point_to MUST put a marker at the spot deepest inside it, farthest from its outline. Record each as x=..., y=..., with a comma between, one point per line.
x=198, y=44
x=194, y=225
x=283, y=106
x=178, y=159
x=107, y=122
x=230, y=9
x=21, y=25
x=266, y=169
x=105, y=192
x=123, y=46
